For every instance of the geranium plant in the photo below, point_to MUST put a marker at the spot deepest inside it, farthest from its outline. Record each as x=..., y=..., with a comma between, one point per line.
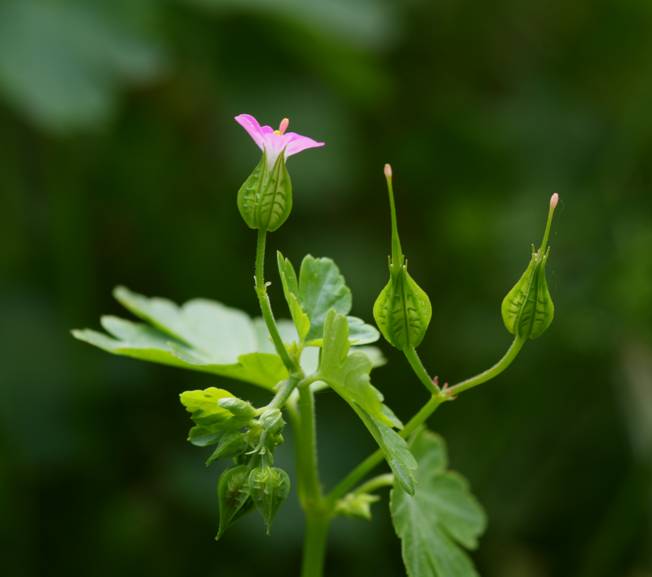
x=323, y=348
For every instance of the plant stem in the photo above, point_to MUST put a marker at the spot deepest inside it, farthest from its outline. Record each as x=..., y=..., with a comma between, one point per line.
x=309, y=487
x=386, y=480
x=314, y=544
x=265, y=307
x=490, y=373
x=373, y=460
x=303, y=421
x=310, y=492
x=417, y=366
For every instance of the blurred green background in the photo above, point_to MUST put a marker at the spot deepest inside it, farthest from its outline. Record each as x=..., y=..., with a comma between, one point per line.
x=119, y=163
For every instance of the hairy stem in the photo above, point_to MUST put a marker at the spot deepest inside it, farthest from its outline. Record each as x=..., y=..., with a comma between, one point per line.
x=265, y=306
x=314, y=544
x=303, y=421
x=490, y=373
x=386, y=480
x=310, y=492
x=309, y=486
x=417, y=366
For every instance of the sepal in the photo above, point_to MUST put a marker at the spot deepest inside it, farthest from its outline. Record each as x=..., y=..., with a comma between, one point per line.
x=233, y=496
x=265, y=198
x=269, y=487
x=402, y=310
x=527, y=309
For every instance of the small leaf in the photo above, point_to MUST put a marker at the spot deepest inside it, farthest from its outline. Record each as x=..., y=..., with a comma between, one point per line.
x=291, y=292
x=322, y=288
x=233, y=496
x=348, y=375
x=268, y=487
x=440, y=519
x=319, y=288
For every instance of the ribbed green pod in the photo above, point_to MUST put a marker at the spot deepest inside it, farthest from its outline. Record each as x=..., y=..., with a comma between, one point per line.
x=265, y=198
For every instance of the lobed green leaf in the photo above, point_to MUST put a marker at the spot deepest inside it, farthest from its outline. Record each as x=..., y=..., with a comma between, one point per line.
x=319, y=288
x=201, y=335
x=440, y=519
x=348, y=375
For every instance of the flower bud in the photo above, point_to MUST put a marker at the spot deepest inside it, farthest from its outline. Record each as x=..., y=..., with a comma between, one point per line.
x=265, y=198
x=402, y=310
x=356, y=505
x=268, y=487
x=528, y=309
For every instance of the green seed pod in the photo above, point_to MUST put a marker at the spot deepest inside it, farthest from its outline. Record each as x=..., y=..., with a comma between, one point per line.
x=233, y=496
x=268, y=487
x=265, y=198
x=527, y=309
x=402, y=310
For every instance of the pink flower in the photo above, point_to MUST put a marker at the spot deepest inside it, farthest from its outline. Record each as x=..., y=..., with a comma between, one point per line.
x=274, y=142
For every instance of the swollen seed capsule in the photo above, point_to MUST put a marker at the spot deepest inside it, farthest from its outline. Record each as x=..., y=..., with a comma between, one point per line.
x=233, y=496
x=402, y=310
x=265, y=198
x=268, y=487
x=527, y=309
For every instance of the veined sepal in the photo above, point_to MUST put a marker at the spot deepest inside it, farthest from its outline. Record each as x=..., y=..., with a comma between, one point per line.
x=402, y=310
x=527, y=309
x=265, y=198
x=269, y=487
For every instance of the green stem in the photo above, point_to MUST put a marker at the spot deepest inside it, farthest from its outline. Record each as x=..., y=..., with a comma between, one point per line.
x=265, y=307
x=546, y=233
x=386, y=480
x=314, y=545
x=397, y=252
x=309, y=486
x=373, y=460
x=490, y=373
x=417, y=366
x=283, y=393
x=310, y=492
x=285, y=389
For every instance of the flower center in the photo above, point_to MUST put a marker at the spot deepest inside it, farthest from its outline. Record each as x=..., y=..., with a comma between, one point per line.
x=283, y=126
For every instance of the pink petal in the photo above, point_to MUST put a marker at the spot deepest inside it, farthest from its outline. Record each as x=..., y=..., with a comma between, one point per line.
x=250, y=124
x=296, y=143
